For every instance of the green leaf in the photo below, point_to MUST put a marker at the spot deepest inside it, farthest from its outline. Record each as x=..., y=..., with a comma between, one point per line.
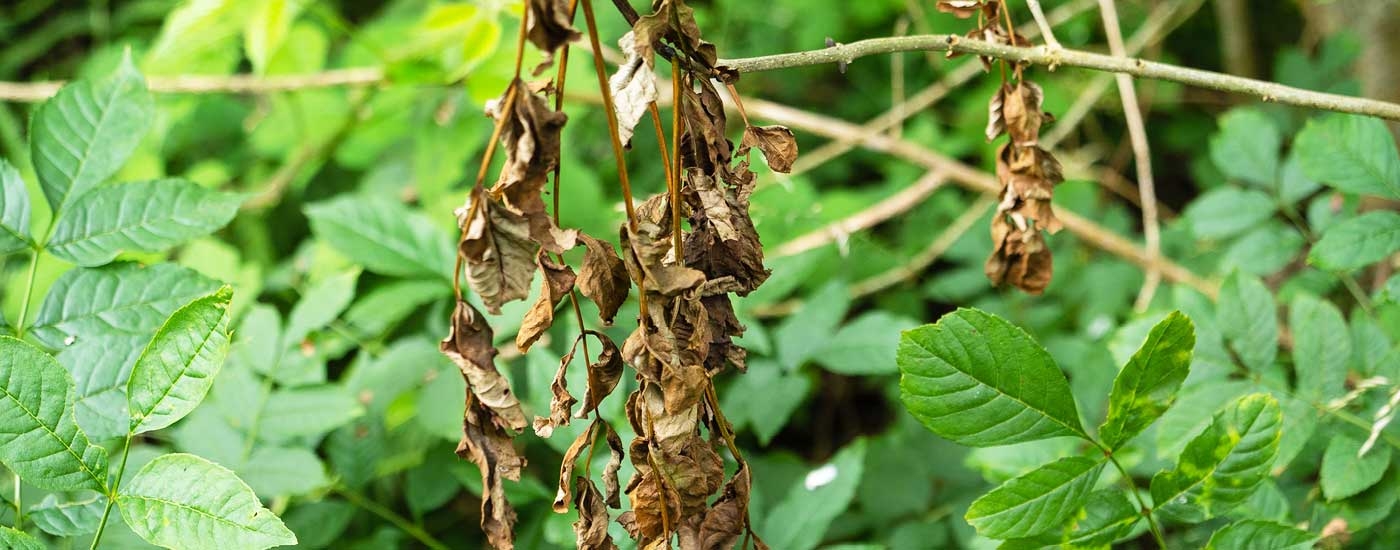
x=865, y=346
x=306, y=412
x=764, y=398
x=1352, y=153
x=319, y=523
x=980, y=381
x=146, y=216
x=1294, y=185
x=1223, y=465
x=178, y=367
x=1357, y=242
x=320, y=305
x=1147, y=385
x=14, y=211
x=283, y=471
x=1247, y=147
x=1344, y=473
x=1243, y=535
x=68, y=518
x=384, y=236
x=39, y=440
x=799, y=337
x=1036, y=502
x=1192, y=413
x=267, y=28
x=1107, y=517
x=1264, y=250
x=183, y=501
x=18, y=540
x=85, y=133
x=1228, y=211
x=117, y=301
x=1321, y=348
x=1248, y=320
x=802, y=517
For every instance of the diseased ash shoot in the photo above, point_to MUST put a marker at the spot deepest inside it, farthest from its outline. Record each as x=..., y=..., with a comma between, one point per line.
x=1027, y=172
x=688, y=252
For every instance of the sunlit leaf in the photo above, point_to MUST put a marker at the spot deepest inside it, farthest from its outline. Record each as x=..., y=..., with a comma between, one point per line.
x=39, y=439
x=1147, y=385
x=178, y=367
x=147, y=216
x=183, y=501
x=981, y=381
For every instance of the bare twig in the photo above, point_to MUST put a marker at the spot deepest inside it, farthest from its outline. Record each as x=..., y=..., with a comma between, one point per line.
x=1045, y=31
x=1142, y=156
x=232, y=84
x=1267, y=91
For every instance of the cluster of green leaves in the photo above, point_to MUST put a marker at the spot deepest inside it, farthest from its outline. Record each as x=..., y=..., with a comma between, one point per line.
x=126, y=350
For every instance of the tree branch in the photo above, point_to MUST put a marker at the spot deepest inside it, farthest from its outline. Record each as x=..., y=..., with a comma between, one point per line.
x=231, y=84
x=1267, y=91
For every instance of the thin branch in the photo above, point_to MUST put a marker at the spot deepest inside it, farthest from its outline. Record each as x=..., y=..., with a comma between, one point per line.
x=973, y=178
x=1044, y=25
x=231, y=84
x=1142, y=155
x=1267, y=91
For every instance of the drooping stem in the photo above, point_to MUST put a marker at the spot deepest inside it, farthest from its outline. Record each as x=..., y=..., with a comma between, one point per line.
x=112, y=493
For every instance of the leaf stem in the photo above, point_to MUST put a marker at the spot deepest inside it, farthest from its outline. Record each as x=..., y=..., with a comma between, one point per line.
x=28, y=295
x=389, y=515
x=1132, y=488
x=112, y=493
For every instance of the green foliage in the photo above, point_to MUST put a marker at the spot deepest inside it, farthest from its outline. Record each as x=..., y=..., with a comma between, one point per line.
x=183, y=501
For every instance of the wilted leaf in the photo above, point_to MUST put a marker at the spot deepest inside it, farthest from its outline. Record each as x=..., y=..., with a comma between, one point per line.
x=469, y=345
x=633, y=85
x=497, y=249
x=591, y=529
x=530, y=136
x=558, y=282
x=488, y=445
x=549, y=26
x=603, y=277
x=603, y=374
x=778, y=144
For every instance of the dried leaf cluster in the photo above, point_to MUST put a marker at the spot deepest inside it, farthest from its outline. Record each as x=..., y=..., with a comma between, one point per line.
x=686, y=279
x=1028, y=173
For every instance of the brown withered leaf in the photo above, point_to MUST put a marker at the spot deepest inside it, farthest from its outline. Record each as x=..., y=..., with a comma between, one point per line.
x=723, y=241
x=695, y=471
x=558, y=281
x=646, y=411
x=778, y=144
x=562, y=404
x=497, y=249
x=647, y=261
x=1020, y=258
x=591, y=529
x=633, y=85
x=704, y=146
x=488, y=446
x=1029, y=176
x=1022, y=113
x=566, y=467
x=649, y=495
x=610, y=483
x=550, y=26
x=996, y=122
x=653, y=27
x=603, y=374
x=726, y=519
x=603, y=277
x=468, y=344
x=530, y=137
x=963, y=9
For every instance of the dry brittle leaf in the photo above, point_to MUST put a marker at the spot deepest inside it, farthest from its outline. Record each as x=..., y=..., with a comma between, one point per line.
x=550, y=26
x=530, y=137
x=558, y=281
x=1020, y=259
x=603, y=374
x=610, y=484
x=603, y=277
x=591, y=529
x=488, y=446
x=1022, y=113
x=778, y=144
x=566, y=467
x=562, y=403
x=468, y=344
x=661, y=23
x=963, y=9
x=633, y=85
x=496, y=247
x=727, y=518
x=647, y=263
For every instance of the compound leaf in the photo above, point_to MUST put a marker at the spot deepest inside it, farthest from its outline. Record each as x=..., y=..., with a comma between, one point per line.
x=183, y=501
x=178, y=367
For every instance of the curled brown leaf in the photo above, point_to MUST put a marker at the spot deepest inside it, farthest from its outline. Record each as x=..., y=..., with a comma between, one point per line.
x=549, y=27
x=558, y=281
x=488, y=446
x=468, y=344
x=497, y=250
x=591, y=529
x=777, y=143
x=531, y=138
x=603, y=277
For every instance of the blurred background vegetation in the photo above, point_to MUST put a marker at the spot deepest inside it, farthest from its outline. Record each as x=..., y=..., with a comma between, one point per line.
x=349, y=229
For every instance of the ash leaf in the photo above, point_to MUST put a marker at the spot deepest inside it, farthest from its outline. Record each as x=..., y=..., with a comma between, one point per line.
x=725, y=520
x=591, y=529
x=530, y=137
x=603, y=375
x=562, y=404
x=778, y=144
x=633, y=85
x=488, y=446
x=566, y=467
x=647, y=262
x=468, y=345
x=610, y=483
x=550, y=27
x=558, y=281
x=603, y=277
x=1020, y=259
x=496, y=247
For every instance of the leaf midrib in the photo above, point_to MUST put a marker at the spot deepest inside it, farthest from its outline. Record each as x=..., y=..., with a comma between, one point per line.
x=146, y=414
x=200, y=511
x=72, y=452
